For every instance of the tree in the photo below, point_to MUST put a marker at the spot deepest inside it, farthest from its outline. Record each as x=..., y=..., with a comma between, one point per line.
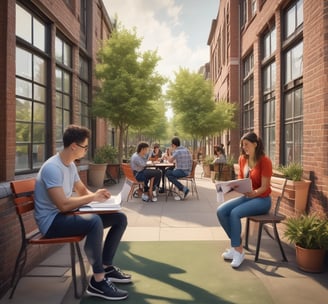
x=197, y=113
x=129, y=83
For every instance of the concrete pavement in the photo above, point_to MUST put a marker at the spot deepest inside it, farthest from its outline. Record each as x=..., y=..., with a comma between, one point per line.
x=191, y=219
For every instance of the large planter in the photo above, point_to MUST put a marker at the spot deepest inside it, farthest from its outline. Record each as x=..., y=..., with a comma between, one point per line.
x=310, y=260
x=96, y=175
x=206, y=170
x=298, y=191
x=113, y=172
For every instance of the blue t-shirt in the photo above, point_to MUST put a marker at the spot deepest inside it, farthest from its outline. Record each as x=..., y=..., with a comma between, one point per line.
x=53, y=173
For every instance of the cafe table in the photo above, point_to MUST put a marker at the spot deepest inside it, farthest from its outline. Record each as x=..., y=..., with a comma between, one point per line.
x=161, y=166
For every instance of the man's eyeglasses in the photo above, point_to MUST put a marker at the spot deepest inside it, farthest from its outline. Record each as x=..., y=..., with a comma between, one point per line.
x=83, y=147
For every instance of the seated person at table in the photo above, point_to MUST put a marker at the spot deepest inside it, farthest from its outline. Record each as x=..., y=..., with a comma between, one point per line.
x=183, y=165
x=156, y=154
x=220, y=157
x=143, y=174
x=55, y=182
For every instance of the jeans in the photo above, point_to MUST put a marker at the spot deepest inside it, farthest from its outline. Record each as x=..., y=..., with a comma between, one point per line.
x=92, y=225
x=230, y=213
x=146, y=174
x=174, y=175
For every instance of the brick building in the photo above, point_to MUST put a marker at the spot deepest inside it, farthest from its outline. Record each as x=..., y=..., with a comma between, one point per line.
x=270, y=58
x=47, y=57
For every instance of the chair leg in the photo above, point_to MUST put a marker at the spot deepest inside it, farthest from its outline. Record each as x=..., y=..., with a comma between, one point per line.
x=19, y=266
x=259, y=235
x=84, y=280
x=279, y=242
x=246, y=234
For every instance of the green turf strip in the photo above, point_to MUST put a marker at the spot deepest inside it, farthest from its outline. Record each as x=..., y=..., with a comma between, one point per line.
x=185, y=272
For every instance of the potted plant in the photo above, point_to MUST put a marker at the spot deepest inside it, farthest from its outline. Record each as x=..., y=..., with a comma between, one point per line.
x=97, y=168
x=297, y=188
x=207, y=161
x=309, y=233
x=113, y=166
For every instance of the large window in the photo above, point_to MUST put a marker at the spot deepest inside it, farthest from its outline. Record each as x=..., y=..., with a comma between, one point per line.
x=248, y=94
x=63, y=88
x=31, y=91
x=268, y=94
x=293, y=83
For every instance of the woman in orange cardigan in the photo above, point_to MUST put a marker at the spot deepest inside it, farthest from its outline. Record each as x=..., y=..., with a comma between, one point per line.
x=255, y=165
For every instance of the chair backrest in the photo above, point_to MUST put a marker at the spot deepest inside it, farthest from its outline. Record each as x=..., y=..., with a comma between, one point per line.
x=278, y=185
x=23, y=197
x=193, y=169
x=128, y=173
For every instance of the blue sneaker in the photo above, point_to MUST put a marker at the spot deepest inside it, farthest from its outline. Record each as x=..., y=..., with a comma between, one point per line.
x=185, y=192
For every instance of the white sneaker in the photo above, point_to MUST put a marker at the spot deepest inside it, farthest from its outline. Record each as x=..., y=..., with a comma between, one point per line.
x=228, y=254
x=238, y=258
x=154, y=193
x=145, y=197
x=177, y=198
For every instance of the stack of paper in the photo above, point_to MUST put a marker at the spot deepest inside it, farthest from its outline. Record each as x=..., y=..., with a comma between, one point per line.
x=113, y=203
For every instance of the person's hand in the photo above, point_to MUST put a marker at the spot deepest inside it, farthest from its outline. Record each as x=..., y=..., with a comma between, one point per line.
x=102, y=195
x=251, y=194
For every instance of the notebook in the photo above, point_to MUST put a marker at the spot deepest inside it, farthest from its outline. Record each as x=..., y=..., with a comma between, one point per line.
x=112, y=204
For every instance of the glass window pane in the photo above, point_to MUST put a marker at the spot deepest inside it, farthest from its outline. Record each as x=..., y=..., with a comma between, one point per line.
x=39, y=114
x=67, y=83
x=59, y=117
x=38, y=155
x=59, y=50
x=39, y=93
x=39, y=133
x=299, y=12
x=39, y=66
x=23, y=110
x=66, y=119
x=23, y=24
x=23, y=132
x=39, y=34
x=21, y=162
x=288, y=106
x=66, y=102
x=273, y=41
x=59, y=82
x=273, y=75
x=59, y=102
x=298, y=104
x=23, y=88
x=67, y=55
x=297, y=53
x=23, y=63
x=290, y=21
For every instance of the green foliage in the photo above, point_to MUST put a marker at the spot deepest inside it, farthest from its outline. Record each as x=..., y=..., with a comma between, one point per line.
x=292, y=171
x=106, y=154
x=197, y=113
x=208, y=160
x=308, y=231
x=129, y=83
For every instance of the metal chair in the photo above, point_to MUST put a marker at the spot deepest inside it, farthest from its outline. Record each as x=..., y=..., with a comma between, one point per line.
x=277, y=186
x=23, y=192
x=133, y=182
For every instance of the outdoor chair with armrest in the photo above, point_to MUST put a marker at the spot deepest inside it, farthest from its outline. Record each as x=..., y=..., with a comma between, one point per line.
x=23, y=192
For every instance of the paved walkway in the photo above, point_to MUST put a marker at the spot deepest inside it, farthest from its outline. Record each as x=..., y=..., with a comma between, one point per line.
x=182, y=220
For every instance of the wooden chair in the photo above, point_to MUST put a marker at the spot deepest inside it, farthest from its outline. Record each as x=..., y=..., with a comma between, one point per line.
x=190, y=178
x=278, y=187
x=133, y=182
x=23, y=192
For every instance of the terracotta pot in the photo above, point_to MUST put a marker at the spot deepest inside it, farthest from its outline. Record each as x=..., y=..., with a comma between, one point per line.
x=113, y=171
x=310, y=260
x=298, y=191
x=96, y=175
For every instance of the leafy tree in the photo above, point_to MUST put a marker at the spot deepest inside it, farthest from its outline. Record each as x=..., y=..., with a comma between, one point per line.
x=129, y=83
x=197, y=113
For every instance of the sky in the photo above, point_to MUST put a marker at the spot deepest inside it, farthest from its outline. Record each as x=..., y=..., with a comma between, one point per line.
x=177, y=29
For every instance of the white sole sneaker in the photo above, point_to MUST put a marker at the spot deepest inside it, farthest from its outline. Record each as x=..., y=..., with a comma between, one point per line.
x=238, y=258
x=228, y=254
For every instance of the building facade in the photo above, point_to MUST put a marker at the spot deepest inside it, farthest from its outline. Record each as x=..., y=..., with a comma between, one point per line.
x=48, y=56
x=270, y=58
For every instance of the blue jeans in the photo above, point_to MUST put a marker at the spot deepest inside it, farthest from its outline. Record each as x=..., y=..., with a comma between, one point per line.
x=230, y=213
x=92, y=225
x=146, y=174
x=174, y=175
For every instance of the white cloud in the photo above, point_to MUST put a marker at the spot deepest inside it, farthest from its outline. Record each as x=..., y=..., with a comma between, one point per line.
x=158, y=23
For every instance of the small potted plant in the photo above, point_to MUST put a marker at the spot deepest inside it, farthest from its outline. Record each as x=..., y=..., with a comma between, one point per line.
x=97, y=168
x=309, y=233
x=297, y=188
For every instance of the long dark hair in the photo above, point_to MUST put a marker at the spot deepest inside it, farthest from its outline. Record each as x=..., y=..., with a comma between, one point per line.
x=253, y=138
